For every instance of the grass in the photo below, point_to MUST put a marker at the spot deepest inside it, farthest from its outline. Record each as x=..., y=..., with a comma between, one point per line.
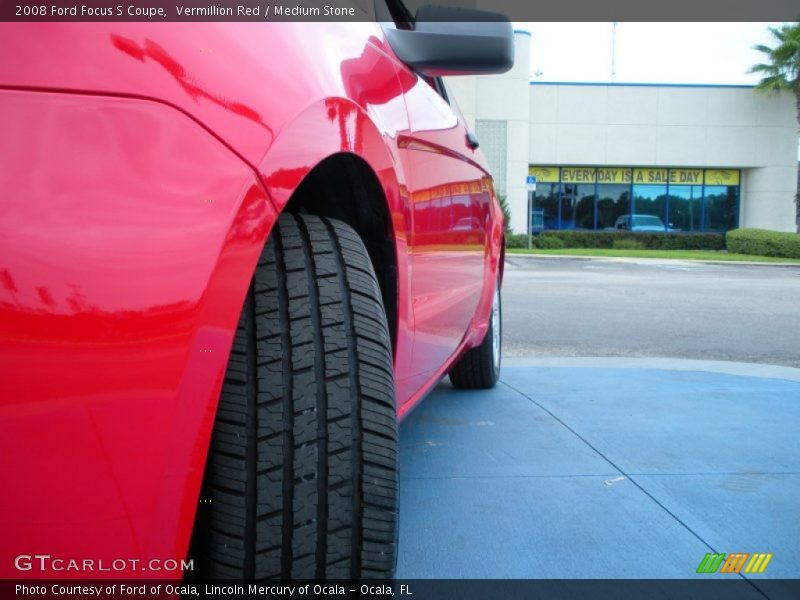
x=675, y=254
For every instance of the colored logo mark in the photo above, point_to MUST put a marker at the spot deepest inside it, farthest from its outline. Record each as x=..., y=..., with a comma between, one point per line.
x=732, y=563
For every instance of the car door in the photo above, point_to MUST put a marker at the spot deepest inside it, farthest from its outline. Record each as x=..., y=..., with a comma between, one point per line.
x=449, y=194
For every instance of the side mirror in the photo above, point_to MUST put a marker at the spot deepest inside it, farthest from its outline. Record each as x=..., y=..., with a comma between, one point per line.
x=455, y=41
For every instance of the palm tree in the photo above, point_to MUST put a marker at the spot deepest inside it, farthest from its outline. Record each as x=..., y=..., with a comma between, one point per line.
x=781, y=72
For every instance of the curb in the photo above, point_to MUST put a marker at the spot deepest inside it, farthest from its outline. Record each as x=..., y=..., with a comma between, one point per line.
x=642, y=260
x=741, y=369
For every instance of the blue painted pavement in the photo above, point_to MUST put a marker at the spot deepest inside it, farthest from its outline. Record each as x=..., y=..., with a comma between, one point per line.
x=610, y=471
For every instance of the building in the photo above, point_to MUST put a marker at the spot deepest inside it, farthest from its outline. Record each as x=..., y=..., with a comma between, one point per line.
x=634, y=156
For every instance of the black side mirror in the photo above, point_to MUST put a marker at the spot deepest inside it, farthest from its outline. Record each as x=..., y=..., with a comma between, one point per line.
x=455, y=41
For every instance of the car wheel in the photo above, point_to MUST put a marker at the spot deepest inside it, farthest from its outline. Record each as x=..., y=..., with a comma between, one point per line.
x=301, y=476
x=479, y=368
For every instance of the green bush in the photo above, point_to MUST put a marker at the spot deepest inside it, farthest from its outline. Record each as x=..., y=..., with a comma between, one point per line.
x=760, y=242
x=547, y=242
x=648, y=240
x=627, y=244
x=568, y=238
x=517, y=240
x=501, y=199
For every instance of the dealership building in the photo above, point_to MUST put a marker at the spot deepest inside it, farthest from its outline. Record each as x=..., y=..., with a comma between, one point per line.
x=631, y=156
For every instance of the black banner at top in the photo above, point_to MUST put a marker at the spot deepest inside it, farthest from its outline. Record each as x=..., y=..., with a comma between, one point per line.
x=364, y=10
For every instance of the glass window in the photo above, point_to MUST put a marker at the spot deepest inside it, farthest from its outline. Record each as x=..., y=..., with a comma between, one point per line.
x=649, y=204
x=577, y=206
x=721, y=207
x=685, y=202
x=584, y=213
x=613, y=202
x=546, y=200
x=638, y=199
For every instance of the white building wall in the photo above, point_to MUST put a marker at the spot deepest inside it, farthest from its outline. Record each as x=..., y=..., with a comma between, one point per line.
x=678, y=126
x=504, y=97
x=461, y=90
x=640, y=125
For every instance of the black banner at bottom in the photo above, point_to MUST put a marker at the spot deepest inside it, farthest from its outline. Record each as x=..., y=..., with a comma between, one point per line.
x=412, y=589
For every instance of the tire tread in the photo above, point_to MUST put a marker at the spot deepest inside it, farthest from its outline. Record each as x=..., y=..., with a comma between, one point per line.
x=302, y=466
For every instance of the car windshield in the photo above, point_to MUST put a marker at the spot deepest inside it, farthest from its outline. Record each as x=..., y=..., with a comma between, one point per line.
x=647, y=220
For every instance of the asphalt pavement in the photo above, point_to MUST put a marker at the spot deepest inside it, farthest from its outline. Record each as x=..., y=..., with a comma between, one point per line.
x=676, y=309
x=627, y=465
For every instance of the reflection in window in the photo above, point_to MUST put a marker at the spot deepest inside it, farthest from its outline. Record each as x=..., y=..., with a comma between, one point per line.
x=546, y=200
x=577, y=206
x=649, y=200
x=685, y=203
x=613, y=201
x=721, y=207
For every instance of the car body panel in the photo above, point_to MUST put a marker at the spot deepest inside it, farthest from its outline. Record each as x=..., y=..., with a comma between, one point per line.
x=117, y=304
x=141, y=177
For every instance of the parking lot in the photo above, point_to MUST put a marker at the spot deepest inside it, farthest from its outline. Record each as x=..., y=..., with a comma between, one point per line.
x=678, y=309
x=647, y=414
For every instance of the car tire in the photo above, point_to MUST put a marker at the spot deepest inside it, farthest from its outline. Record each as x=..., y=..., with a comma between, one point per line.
x=479, y=367
x=301, y=476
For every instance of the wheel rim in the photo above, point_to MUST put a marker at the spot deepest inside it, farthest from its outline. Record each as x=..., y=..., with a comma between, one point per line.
x=496, y=332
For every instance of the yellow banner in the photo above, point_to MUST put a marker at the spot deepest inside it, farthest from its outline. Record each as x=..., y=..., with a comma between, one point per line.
x=654, y=176
x=614, y=175
x=578, y=174
x=544, y=174
x=722, y=177
x=649, y=176
x=686, y=176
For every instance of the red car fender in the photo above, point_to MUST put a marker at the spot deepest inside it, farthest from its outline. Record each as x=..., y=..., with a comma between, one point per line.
x=129, y=266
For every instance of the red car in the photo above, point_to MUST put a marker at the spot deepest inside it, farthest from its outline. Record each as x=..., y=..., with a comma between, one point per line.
x=232, y=255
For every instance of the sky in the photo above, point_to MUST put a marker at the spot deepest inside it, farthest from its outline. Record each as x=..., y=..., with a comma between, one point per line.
x=718, y=53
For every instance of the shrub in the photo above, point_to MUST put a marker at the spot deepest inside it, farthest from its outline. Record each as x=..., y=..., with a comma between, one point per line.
x=517, y=240
x=547, y=242
x=501, y=199
x=627, y=244
x=648, y=240
x=761, y=242
x=576, y=238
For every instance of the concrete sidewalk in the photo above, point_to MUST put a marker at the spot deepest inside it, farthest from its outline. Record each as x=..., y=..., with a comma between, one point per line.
x=602, y=468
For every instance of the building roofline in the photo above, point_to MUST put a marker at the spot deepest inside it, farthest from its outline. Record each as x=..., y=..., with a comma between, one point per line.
x=615, y=84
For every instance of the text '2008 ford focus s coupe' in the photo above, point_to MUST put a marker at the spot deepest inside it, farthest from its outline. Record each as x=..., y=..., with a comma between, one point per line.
x=232, y=256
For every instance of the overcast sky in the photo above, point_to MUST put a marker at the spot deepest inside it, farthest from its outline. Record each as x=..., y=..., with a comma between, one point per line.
x=646, y=52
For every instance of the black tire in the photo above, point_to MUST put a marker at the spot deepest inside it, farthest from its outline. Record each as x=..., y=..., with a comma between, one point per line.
x=479, y=367
x=302, y=470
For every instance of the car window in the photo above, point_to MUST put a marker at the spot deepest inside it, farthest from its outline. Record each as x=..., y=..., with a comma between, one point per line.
x=647, y=220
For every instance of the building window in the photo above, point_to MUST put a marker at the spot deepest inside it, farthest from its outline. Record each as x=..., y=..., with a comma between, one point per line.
x=493, y=138
x=613, y=202
x=637, y=199
x=546, y=200
x=577, y=206
x=649, y=207
x=685, y=207
x=721, y=207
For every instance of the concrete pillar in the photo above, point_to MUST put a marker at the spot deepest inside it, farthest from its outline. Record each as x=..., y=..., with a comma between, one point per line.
x=507, y=97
